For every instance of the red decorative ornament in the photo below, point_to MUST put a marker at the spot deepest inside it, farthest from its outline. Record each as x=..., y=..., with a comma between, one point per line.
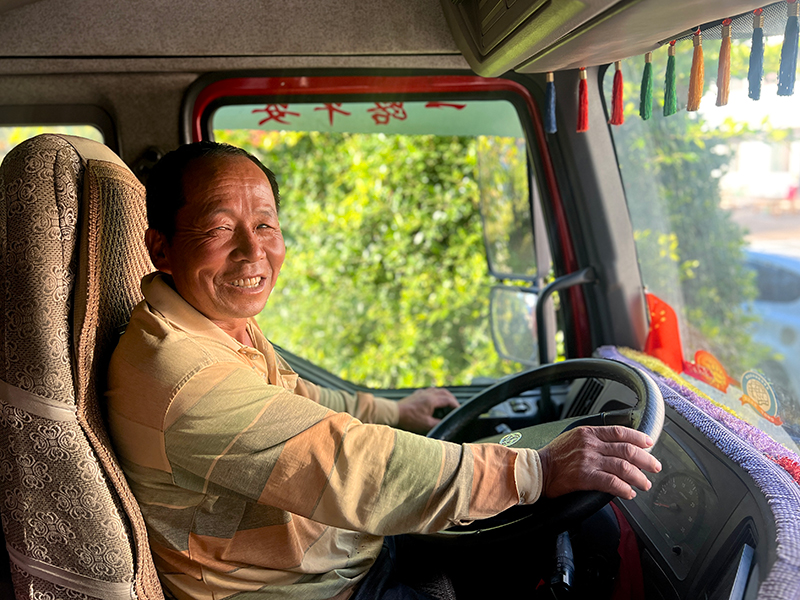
x=617, y=118
x=583, y=103
x=790, y=466
x=664, y=338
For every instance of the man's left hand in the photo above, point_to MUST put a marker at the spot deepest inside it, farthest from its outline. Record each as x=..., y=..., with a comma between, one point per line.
x=416, y=411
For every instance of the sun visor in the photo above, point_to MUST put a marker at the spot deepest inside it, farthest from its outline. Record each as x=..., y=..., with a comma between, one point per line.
x=534, y=36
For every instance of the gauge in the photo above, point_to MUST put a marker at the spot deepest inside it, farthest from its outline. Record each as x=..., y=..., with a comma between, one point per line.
x=678, y=504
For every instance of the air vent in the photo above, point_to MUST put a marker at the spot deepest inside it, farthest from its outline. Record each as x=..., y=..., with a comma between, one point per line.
x=585, y=398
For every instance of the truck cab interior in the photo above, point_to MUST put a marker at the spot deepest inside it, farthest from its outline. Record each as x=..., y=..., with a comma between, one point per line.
x=475, y=195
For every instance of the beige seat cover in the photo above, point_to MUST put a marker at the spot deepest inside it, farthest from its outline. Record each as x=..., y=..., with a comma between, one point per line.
x=72, y=218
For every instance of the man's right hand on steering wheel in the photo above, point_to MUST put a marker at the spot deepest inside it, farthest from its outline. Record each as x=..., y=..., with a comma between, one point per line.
x=605, y=459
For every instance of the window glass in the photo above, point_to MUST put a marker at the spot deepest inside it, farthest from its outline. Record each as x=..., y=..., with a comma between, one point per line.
x=11, y=136
x=713, y=197
x=505, y=206
x=385, y=281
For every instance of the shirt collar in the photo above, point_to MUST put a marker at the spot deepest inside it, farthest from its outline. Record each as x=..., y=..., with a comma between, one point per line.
x=162, y=296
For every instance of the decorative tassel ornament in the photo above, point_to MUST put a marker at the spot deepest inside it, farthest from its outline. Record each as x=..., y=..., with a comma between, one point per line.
x=646, y=93
x=670, y=91
x=756, y=70
x=617, y=116
x=698, y=73
x=583, y=103
x=550, y=104
x=724, y=68
x=788, y=70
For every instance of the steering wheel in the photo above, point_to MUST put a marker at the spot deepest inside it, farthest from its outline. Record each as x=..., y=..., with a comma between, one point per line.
x=551, y=515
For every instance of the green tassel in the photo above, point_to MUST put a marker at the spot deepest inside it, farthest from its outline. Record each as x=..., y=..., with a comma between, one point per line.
x=670, y=93
x=646, y=93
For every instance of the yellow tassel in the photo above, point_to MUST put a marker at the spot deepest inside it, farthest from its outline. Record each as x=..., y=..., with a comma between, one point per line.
x=724, y=69
x=698, y=73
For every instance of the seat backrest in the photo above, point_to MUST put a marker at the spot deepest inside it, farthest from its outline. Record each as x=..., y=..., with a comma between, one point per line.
x=72, y=217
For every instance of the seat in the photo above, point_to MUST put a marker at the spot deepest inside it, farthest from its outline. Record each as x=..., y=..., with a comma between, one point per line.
x=71, y=222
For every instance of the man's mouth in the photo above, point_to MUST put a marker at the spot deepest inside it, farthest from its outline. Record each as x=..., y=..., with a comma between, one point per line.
x=248, y=282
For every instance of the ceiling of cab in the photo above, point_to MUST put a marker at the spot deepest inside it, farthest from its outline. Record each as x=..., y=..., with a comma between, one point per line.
x=210, y=28
x=494, y=36
x=532, y=36
x=9, y=4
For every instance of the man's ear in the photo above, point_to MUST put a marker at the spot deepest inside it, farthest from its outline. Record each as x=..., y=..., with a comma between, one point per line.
x=157, y=245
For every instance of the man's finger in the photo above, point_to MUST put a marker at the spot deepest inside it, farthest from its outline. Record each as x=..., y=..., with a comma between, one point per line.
x=610, y=484
x=442, y=397
x=632, y=454
x=618, y=433
x=625, y=471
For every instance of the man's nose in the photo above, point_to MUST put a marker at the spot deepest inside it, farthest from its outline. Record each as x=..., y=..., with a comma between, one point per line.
x=249, y=246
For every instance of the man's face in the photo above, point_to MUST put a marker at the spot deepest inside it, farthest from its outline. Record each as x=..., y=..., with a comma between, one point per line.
x=228, y=248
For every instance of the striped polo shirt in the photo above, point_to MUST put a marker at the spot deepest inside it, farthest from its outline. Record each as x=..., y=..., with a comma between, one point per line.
x=258, y=484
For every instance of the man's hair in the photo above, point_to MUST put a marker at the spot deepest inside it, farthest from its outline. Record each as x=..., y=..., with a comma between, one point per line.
x=165, y=183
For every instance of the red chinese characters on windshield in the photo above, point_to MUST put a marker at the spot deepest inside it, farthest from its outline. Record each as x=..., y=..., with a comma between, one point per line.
x=276, y=112
x=386, y=111
x=382, y=113
x=333, y=108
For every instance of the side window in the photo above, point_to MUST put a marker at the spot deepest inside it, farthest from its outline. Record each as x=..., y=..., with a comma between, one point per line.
x=21, y=122
x=13, y=135
x=713, y=199
x=386, y=281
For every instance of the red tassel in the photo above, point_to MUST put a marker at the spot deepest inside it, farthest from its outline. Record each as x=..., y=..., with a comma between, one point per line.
x=583, y=103
x=617, y=118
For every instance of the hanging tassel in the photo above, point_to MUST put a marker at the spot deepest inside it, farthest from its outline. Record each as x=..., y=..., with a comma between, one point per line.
x=788, y=70
x=550, y=104
x=646, y=93
x=756, y=71
x=670, y=91
x=583, y=103
x=724, y=68
x=698, y=73
x=617, y=118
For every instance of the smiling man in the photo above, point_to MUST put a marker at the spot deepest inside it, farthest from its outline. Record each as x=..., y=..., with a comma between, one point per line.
x=254, y=482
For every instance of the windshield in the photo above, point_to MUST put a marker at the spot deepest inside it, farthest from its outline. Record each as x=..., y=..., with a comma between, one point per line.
x=386, y=281
x=713, y=198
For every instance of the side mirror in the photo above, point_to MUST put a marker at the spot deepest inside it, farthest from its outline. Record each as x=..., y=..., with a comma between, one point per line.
x=513, y=322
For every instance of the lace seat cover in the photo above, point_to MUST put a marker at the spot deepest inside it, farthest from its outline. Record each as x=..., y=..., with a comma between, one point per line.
x=72, y=218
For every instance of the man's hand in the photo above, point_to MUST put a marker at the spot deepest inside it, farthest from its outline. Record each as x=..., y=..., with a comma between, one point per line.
x=605, y=459
x=416, y=411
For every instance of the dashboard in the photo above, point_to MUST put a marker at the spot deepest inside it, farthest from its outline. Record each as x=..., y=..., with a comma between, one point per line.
x=704, y=529
x=700, y=525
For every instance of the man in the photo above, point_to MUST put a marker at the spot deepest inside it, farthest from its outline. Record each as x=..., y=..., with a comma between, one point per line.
x=253, y=480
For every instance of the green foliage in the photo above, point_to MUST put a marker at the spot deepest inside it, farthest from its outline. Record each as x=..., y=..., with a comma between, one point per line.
x=385, y=281
x=503, y=180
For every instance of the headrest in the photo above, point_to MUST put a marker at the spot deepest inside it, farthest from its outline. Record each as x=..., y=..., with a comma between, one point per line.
x=90, y=150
